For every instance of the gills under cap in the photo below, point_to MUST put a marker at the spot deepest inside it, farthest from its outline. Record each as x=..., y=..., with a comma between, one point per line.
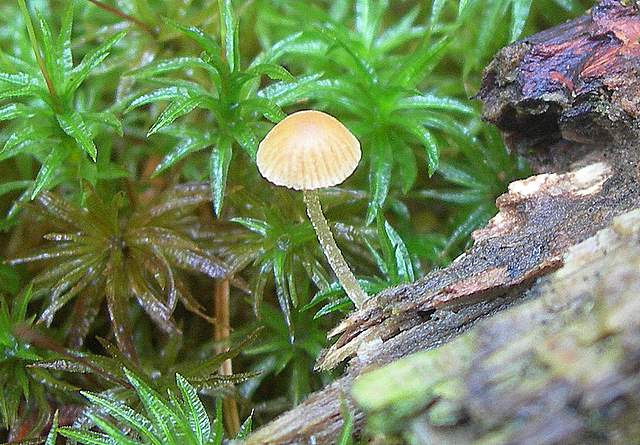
x=308, y=150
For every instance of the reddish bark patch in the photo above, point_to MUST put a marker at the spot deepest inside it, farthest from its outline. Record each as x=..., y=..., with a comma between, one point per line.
x=597, y=49
x=578, y=82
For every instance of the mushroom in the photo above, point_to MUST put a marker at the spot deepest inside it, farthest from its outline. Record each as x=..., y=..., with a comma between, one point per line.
x=307, y=151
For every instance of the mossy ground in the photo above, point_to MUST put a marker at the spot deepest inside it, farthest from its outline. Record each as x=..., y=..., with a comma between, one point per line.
x=129, y=131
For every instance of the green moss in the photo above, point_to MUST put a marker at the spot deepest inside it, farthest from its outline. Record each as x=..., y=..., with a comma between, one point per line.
x=108, y=109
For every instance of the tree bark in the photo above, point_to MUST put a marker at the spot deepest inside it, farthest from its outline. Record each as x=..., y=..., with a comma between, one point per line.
x=562, y=368
x=568, y=100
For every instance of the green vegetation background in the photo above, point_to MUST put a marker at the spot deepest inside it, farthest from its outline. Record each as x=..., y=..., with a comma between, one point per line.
x=128, y=132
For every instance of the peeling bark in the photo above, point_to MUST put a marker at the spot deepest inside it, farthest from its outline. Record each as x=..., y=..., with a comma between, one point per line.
x=577, y=82
x=568, y=100
x=538, y=219
x=562, y=368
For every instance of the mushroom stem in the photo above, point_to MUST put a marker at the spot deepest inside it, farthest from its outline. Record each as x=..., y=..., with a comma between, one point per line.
x=331, y=250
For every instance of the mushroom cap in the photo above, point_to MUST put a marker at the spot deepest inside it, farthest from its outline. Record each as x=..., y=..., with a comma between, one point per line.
x=308, y=150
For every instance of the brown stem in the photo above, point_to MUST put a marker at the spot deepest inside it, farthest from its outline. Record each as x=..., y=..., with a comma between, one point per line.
x=221, y=334
x=115, y=11
x=37, y=52
x=157, y=184
x=131, y=193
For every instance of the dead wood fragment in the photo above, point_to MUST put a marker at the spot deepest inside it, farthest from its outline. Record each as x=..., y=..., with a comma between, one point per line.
x=567, y=99
x=562, y=368
x=538, y=219
x=577, y=82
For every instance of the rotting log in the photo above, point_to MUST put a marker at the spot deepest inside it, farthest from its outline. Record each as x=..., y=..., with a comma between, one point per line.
x=561, y=368
x=568, y=100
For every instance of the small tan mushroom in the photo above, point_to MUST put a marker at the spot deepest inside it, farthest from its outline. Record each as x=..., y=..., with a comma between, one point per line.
x=309, y=150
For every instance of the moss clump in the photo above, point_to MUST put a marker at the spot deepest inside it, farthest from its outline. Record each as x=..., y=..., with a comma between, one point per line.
x=110, y=111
